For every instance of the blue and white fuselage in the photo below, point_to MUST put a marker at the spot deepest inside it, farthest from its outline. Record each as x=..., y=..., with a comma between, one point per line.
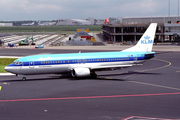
x=61, y=63
x=85, y=64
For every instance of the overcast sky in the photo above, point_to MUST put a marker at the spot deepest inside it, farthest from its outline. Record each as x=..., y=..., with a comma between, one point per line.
x=64, y=9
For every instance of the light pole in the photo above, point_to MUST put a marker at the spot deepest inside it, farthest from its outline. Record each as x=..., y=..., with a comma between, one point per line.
x=178, y=10
x=169, y=11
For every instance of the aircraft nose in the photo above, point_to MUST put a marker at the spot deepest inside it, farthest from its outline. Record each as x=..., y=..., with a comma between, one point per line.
x=13, y=70
x=8, y=69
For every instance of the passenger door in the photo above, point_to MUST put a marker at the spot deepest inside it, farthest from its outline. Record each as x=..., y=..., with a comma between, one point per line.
x=31, y=63
x=135, y=58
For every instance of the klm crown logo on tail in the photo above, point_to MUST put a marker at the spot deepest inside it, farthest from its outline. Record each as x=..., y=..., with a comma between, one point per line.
x=147, y=40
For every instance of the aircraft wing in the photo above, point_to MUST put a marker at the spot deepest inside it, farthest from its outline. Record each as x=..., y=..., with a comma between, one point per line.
x=111, y=66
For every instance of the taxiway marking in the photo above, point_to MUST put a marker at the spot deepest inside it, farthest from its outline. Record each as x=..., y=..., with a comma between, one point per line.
x=90, y=97
x=6, y=83
x=172, y=88
x=0, y=88
x=169, y=64
x=144, y=118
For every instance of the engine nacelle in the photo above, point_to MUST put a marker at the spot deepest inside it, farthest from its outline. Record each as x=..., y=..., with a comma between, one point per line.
x=80, y=72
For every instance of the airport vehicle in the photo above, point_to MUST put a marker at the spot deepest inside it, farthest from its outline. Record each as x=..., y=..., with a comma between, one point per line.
x=27, y=41
x=1, y=42
x=85, y=64
x=10, y=45
x=40, y=46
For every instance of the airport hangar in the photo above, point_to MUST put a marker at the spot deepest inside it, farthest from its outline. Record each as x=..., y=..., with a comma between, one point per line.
x=132, y=28
x=89, y=21
x=6, y=24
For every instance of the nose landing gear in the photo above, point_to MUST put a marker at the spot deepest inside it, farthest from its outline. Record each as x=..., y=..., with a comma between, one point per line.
x=24, y=79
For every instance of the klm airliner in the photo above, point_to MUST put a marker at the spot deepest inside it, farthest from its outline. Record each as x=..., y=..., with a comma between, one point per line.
x=85, y=64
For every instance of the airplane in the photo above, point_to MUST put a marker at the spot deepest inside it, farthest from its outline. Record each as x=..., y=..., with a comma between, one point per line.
x=28, y=24
x=35, y=23
x=85, y=64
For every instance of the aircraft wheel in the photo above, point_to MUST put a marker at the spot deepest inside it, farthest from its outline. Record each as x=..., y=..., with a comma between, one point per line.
x=94, y=75
x=24, y=78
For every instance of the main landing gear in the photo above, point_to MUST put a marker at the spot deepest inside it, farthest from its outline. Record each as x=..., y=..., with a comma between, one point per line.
x=24, y=79
x=93, y=74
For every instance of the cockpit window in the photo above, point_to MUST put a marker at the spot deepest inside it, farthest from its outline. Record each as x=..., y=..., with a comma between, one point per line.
x=17, y=62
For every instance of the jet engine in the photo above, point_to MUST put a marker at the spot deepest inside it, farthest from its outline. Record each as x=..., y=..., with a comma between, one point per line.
x=80, y=72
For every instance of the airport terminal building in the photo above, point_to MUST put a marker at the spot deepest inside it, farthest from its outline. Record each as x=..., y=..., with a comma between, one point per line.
x=6, y=24
x=73, y=22
x=89, y=21
x=132, y=28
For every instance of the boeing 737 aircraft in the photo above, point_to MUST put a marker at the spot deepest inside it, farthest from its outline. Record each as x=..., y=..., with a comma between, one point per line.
x=85, y=64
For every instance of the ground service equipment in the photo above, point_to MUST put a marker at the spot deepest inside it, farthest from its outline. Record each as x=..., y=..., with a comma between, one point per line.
x=1, y=43
x=27, y=41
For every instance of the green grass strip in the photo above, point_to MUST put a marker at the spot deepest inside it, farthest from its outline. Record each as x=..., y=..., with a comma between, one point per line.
x=4, y=62
x=93, y=28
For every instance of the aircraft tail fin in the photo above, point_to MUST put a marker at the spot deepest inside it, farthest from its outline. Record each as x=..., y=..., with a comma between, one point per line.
x=145, y=44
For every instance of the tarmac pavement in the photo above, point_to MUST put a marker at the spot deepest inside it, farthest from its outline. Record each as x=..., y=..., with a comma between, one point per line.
x=150, y=90
x=113, y=47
